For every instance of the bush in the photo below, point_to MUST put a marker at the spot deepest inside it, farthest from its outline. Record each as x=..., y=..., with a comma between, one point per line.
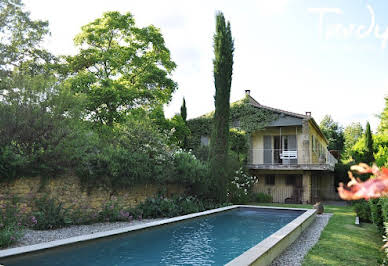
x=188, y=170
x=263, y=198
x=114, y=211
x=11, y=224
x=376, y=214
x=240, y=188
x=48, y=214
x=161, y=206
x=362, y=209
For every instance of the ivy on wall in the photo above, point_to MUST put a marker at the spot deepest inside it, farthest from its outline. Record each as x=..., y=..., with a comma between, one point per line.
x=244, y=117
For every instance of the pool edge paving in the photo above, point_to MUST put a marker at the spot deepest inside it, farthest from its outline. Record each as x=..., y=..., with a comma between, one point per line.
x=271, y=247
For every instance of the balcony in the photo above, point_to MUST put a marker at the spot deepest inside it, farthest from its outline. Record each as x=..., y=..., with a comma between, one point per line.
x=281, y=159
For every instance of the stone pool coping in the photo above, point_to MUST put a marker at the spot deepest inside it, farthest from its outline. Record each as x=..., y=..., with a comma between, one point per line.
x=264, y=252
x=271, y=247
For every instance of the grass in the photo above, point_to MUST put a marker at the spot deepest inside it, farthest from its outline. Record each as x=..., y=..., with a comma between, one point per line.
x=342, y=242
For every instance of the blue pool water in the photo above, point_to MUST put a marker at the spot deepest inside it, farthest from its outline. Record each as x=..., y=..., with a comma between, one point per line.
x=209, y=240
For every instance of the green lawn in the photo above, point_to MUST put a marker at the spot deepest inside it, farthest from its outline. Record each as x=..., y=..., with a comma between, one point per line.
x=342, y=242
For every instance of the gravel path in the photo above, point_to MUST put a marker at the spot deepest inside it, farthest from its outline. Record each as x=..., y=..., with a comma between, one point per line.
x=294, y=254
x=32, y=237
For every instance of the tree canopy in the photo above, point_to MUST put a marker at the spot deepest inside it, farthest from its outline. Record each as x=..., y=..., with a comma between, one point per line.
x=120, y=67
x=333, y=132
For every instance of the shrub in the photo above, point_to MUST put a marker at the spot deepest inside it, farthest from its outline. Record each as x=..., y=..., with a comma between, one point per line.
x=362, y=209
x=376, y=214
x=263, y=198
x=188, y=169
x=161, y=206
x=240, y=188
x=11, y=223
x=49, y=214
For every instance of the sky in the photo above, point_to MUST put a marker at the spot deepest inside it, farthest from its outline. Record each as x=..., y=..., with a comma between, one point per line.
x=321, y=56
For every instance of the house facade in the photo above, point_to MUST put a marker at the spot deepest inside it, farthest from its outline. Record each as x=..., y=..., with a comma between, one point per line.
x=288, y=155
x=291, y=160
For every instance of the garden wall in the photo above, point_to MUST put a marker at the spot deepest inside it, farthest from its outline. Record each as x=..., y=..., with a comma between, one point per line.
x=68, y=190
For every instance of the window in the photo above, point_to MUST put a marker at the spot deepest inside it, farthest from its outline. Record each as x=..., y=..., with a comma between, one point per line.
x=204, y=141
x=270, y=180
x=290, y=180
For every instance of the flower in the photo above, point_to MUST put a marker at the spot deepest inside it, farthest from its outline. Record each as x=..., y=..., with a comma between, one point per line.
x=372, y=188
x=33, y=220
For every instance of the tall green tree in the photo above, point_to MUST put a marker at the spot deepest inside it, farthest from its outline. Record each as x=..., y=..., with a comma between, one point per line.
x=368, y=154
x=333, y=132
x=223, y=69
x=120, y=68
x=184, y=110
x=352, y=134
x=21, y=51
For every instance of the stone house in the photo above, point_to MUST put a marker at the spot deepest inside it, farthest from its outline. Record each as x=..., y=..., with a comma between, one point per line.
x=290, y=158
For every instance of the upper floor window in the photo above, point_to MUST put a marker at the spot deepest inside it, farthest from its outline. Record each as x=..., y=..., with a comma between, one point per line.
x=236, y=123
x=205, y=141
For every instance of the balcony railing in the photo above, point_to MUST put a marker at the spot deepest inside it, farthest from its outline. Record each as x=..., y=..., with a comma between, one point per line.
x=291, y=157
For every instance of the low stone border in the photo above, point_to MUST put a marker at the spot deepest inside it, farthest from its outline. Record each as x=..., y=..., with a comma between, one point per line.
x=271, y=247
x=261, y=254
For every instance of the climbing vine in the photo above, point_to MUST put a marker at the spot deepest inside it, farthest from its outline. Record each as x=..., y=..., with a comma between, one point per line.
x=244, y=118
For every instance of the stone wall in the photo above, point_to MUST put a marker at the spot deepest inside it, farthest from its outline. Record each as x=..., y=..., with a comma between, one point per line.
x=67, y=189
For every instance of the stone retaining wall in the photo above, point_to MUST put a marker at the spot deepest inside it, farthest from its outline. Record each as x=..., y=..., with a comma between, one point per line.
x=67, y=189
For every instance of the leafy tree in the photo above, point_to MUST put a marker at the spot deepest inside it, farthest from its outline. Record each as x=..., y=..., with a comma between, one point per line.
x=333, y=132
x=120, y=67
x=352, y=134
x=383, y=126
x=184, y=110
x=180, y=131
x=20, y=45
x=223, y=68
x=368, y=153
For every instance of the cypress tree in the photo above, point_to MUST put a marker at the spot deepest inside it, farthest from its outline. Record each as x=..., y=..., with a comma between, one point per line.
x=184, y=117
x=368, y=154
x=184, y=110
x=223, y=68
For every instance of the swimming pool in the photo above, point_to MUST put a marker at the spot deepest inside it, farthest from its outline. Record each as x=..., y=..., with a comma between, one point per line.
x=213, y=239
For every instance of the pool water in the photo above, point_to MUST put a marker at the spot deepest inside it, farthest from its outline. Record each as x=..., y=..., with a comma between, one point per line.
x=208, y=240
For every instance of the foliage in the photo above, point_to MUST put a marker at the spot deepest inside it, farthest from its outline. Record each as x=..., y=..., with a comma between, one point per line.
x=352, y=134
x=184, y=110
x=383, y=126
x=161, y=206
x=376, y=214
x=333, y=132
x=240, y=187
x=380, y=149
x=238, y=141
x=243, y=117
x=362, y=209
x=184, y=117
x=368, y=150
x=11, y=223
x=114, y=211
x=180, y=131
x=20, y=45
x=223, y=68
x=134, y=153
x=248, y=117
x=49, y=214
x=262, y=198
x=188, y=169
x=36, y=126
x=120, y=67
